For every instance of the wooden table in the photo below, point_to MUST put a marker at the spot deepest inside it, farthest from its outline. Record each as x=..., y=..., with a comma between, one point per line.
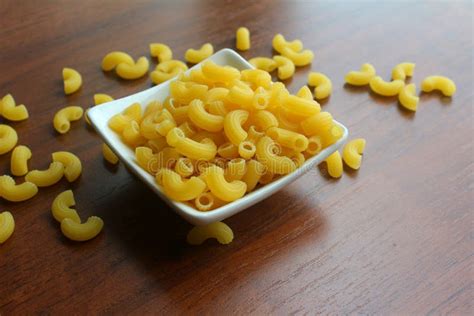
x=394, y=237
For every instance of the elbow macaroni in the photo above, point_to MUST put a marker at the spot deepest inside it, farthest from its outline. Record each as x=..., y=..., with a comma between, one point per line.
x=19, y=160
x=286, y=67
x=48, y=177
x=352, y=153
x=362, y=77
x=11, y=111
x=167, y=70
x=8, y=138
x=82, y=231
x=202, y=119
x=302, y=58
x=334, y=164
x=403, y=70
x=63, y=118
x=133, y=71
x=386, y=88
x=322, y=83
x=408, y=98
x=61, y=207
x=220, y=187
x=444, y=84
x=267, y=154
x=205, y=150
x=72, y=164
x=109, y=155
x=233, y=126
x=279, y=42
x=264, y=63
x=195, y=56
x=72, y=80
x=7, y=226
x=161, y=51
x=179, y=189
x=218, y=230
x=16, y=192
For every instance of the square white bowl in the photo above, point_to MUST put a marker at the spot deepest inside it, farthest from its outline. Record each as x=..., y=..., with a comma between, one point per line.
x=100, y=115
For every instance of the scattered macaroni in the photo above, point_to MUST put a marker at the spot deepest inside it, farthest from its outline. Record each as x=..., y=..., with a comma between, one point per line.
x=388, y=89
x=7, y=226
x=109, y=155
x=82, y=232
x=100, y=98
x=72, y=164
x=19, y=160
x=63, y=118
x=16, y=193
x=48, y=177
x=218, y=230
x=61, y=207
x=408, y=98
x=11, y=111
x=133, y=71
x=302, y=58
x=444, y=84
x=113, y=59
x=334, y=164
x=403, y=70
x=362, y=77
x=72, y=80
x=195, y=56
x=242, y=38
x=286, y=67
x=264, y=63
x=352, y=152
x=8, y=138
x=279, y=43
x=322, y=83
x=161, y=51
x=166, y=70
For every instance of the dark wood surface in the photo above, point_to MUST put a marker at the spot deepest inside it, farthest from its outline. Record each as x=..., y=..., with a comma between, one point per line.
x=394, y=237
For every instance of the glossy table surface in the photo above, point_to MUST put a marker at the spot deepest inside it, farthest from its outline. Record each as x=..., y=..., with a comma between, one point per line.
x=394, y=237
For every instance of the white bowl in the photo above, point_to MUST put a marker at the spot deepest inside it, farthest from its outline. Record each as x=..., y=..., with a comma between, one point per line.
x=100, y=115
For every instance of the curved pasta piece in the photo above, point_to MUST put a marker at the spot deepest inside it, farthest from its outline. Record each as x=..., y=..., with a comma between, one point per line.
x=302, y=58
x=205, y=150
x=362, y=77
x=218, y=230
x=241, y=96
x=305, y=93
x=19, y=160
x=72, y=80
x=48, y=177
x=300, y=106
x=254, y=134
x=133, y=71
x=8, y=138
x=11, y=111
x=255, y=170
x=12, y=192
x=7, y=226
x=444, y=84
x=317, y=124
x=263, y=63
x=63, y=118
x=184, y=167
x=260, y=100
x=265, y=119
x=184, y=92
x=228, y=150
x=109, y=155
x=247, y=149
x=352, y=152
x=100, y=98
x=286, y=68
x=202, y=119
x=195, y=56
x=235, y=169
x=82, y=232
x=403, y=70
x=113, y=59
x=167, y=70
x=220, y=187
x=408, y=98
x=162, y=51
x=217, y=138
x=178, y=189
x=131, y=133
x=242, y=38
x=315, y=145
x=257, y=78
x=216, y=73
x=386, y=88
x=266, y=154
x=233, y=126
x=334, y=164
x=72, y=164
x=205, y=202
x=279, y=42
x=322, y=83
x=295, y=141
x=61, y=207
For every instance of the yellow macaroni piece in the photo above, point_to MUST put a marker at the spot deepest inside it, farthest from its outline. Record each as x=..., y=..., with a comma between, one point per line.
x=161, y=51
x=72, y=80
x=235, y=169
x=408, y=98
x=254, y=134
x=267, y=153
x=322, y=83
x=295, y=141
x=7, y=226
x=217, y=108
x=133, y=71
x=100, y=98
x=167, y=70
x=82, y=232
x=300, y=106
x=217, y=138
x=317, y=124
x=195, y=56
x=202, y=119
x=265, y=119
x=286, y=67
x=16, y=193
x=63, y=118
x=279, y=42
x=8, y=138
x=242, y=38
x=315, y=145
x=146, y=159
x=113, y=59
x=233, y=126
x=444, y=84
x=334, y=164
x=179, y=189
x=19, y=160
x=362, y=77
x=220, y=187
x=61, y=207
x=184, y=167
x=254, y=172
x=109, y=155
x=218, y=230
x=352, y=152
x=388, y=89
x=302, y=58
x=228, y=151
x=72, y=164
x=205, y=150
x=131, y=134
x=247, y=149
x=257, y=78
x=11, y=111
x=263, y=63
x=403, y=70
x=48, y=177
x=305, y=93
x=266, y=177
x=205, y=201
x=216, y=73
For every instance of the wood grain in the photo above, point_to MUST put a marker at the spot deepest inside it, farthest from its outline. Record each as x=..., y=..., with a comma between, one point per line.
x=392, y=238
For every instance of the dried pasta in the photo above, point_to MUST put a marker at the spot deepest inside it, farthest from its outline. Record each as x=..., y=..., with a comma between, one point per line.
x=7, y=226
x=361, y=77
x=279, y=42
x=441, y=83
x=11, y=111
x=82, y=231
x=408, y=98
x=386, y=88
x=63, y=118
x=72, y=164
x=352, y=152
x=72, y=80
x=195, y=56
x=242, y=38
x=403, y=70
x=166, y=70
x=48, y=177
x=125, y=66
x=19, y=160
x=61, y=207
x=263, y=63
x=220, y=187
x=334, y=164
x=109, y=155
x=13, y=192
x=8, y=138
x=218, y=230
x=286, y=67
x=162, y=51
x=322, y=83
